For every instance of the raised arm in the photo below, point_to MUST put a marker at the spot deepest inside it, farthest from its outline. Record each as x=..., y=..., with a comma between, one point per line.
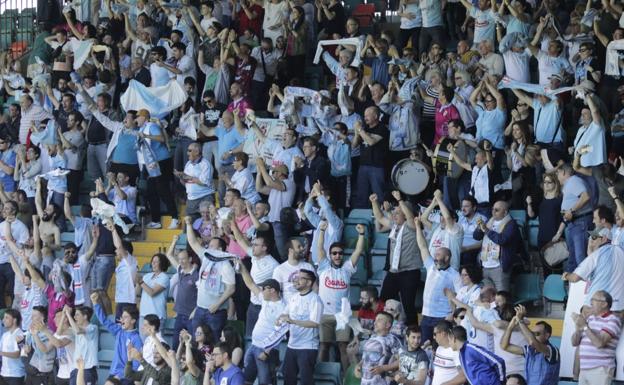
x=422, y=242
x=67, y=209
x=500, y=100
x=192, y=237
x=593, y=107
x=505, y=343
x=383, y=222
x=359, y=246
x=424, y=218
x=171, y=252
x=534, y=44
x=407, y=212
x=474, y=96
x=249, y=282
x=523, y=97
x=34, y=275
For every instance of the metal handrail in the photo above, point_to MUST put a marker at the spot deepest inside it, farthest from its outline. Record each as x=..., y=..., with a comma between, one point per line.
x=18, y=21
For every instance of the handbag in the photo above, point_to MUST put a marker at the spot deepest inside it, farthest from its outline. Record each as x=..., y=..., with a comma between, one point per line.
x=555, y=253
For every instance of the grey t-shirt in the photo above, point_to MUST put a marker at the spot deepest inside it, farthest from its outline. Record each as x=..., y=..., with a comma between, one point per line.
x=410, y=254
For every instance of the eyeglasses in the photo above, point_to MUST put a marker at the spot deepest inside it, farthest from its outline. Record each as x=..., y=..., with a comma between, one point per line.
x=208, y=100
x=306, y=278
x=583, y=50
x=548, y=182
x=461, y=317
x=598, y=299
x=337, y=252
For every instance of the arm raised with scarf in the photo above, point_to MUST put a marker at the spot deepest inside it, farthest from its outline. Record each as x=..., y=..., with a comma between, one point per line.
x=422, y=242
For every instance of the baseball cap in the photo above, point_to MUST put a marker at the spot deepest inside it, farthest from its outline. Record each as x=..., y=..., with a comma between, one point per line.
x=600, y=233
x=144, y=113
x=272, y=283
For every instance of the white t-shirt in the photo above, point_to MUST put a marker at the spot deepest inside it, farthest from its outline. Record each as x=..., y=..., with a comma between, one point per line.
x=31, y=297
x=479, y=337
x=286, y=273
x=126, y=206
x=65, y=357
x=11, y=367
x=212, y=280
x=334, y=284
x=306, y=307
x=149, y=347
x=445, y=365
x=124, y=286
x=517, y=65
x=155, y=304
x=87, y=346
x=261, y=270
x=514, y=363
x=20, y=234
x=160, y=75
x=187, y=66
x=265, y=325
x=280, y=199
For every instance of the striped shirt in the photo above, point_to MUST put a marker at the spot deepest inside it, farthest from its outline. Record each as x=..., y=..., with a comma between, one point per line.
x=592, y=357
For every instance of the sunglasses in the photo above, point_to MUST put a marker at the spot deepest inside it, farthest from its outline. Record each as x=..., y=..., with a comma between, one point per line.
x=337, y=252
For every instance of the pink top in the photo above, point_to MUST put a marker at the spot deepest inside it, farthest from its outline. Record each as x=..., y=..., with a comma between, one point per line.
x=243, y=105
x=443, y=115
x=244, y=223
x=56, y=301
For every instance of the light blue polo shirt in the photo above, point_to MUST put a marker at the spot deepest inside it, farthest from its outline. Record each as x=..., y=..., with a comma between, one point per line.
x=546, y=120
x=491, y=125
x=229, y=139
x=435, y=303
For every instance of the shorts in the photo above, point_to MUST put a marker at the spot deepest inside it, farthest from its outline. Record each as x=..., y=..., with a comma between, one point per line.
x=328, y=332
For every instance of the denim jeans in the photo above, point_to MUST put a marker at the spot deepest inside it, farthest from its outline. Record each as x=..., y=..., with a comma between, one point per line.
x=255, y=367
x=576, y=240
x=182, y=322
x=426, y=327
x=253, y=311
x=103, y=271
x=215, y=321
x=370, y=179
x=299, y=362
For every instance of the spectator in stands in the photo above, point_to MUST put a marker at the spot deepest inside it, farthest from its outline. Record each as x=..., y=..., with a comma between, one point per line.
x=197, y=179
x=479, y=365
x=123, y=196
x=125, y=273
x=402, y=263
x=303, y=315
x=126, y=335
x=501, y=238
x=73, y=146
x=215, y=287
x=334, y=281
x=327, y=214
x=242, y=179
x=12, y=370
x=469, y=220
x=445, y=360
x=85, y=338
x=542, y=358
x=374, y=139
x=440, y=275
x=370, y=306
x=412, y=364
x=379, y=351
x=601, y=253
x=597, y=338
x=446, y=233
x=577, y=213
x=39, y=348
x=159, y=372
x=221, y=367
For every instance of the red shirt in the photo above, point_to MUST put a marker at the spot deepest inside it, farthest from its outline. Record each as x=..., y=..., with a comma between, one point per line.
x=244, y=22
x=443, y=115
x=367, y=316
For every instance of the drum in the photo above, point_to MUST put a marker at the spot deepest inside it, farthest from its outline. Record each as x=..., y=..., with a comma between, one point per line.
x=411, y=177
x=442, y=159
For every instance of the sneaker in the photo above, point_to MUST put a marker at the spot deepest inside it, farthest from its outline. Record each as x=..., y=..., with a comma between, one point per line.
x=154, y=225
x=174, y=224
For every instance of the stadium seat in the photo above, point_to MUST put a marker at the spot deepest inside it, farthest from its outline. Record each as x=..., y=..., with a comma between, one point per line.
x=556, y=341
x=554, y=291
x=67, y=237
x=361, y=274
x=103, y=374
x=107, y=341
x=520, y=216
x=381, y=240
x=364, y=14
x=327, y=372
x=377, y=278
x=349, y=378
x=378, y=262
x=106, y=357
x=354, y=295
x=147, y=268
x=526, y=288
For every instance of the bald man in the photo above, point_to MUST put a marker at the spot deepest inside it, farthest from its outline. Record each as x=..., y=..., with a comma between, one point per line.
x=373, y=138
x=501, y=238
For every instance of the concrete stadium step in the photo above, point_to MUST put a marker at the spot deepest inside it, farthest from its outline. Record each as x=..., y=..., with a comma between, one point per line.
x=149, y=248
x=161, y=235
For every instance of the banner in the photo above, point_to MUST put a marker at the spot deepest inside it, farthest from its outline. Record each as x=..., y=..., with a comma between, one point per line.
x=159, y=101
x=254, y=147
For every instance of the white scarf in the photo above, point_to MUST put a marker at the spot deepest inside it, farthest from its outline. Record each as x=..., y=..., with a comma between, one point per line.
x=490, y=251
x=349, y=41
x=612, y=66
x=397, y=235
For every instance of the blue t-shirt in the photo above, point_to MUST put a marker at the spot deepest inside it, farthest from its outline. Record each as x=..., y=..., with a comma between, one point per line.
x=126, y=151
x=160, y=149
x=228, y=140
x=547, y=122
x=491, y=126
x=484, y=25
x=8, y=157
x=232, y=376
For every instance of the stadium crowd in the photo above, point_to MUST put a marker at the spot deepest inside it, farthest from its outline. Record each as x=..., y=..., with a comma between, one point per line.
x=285, y=140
